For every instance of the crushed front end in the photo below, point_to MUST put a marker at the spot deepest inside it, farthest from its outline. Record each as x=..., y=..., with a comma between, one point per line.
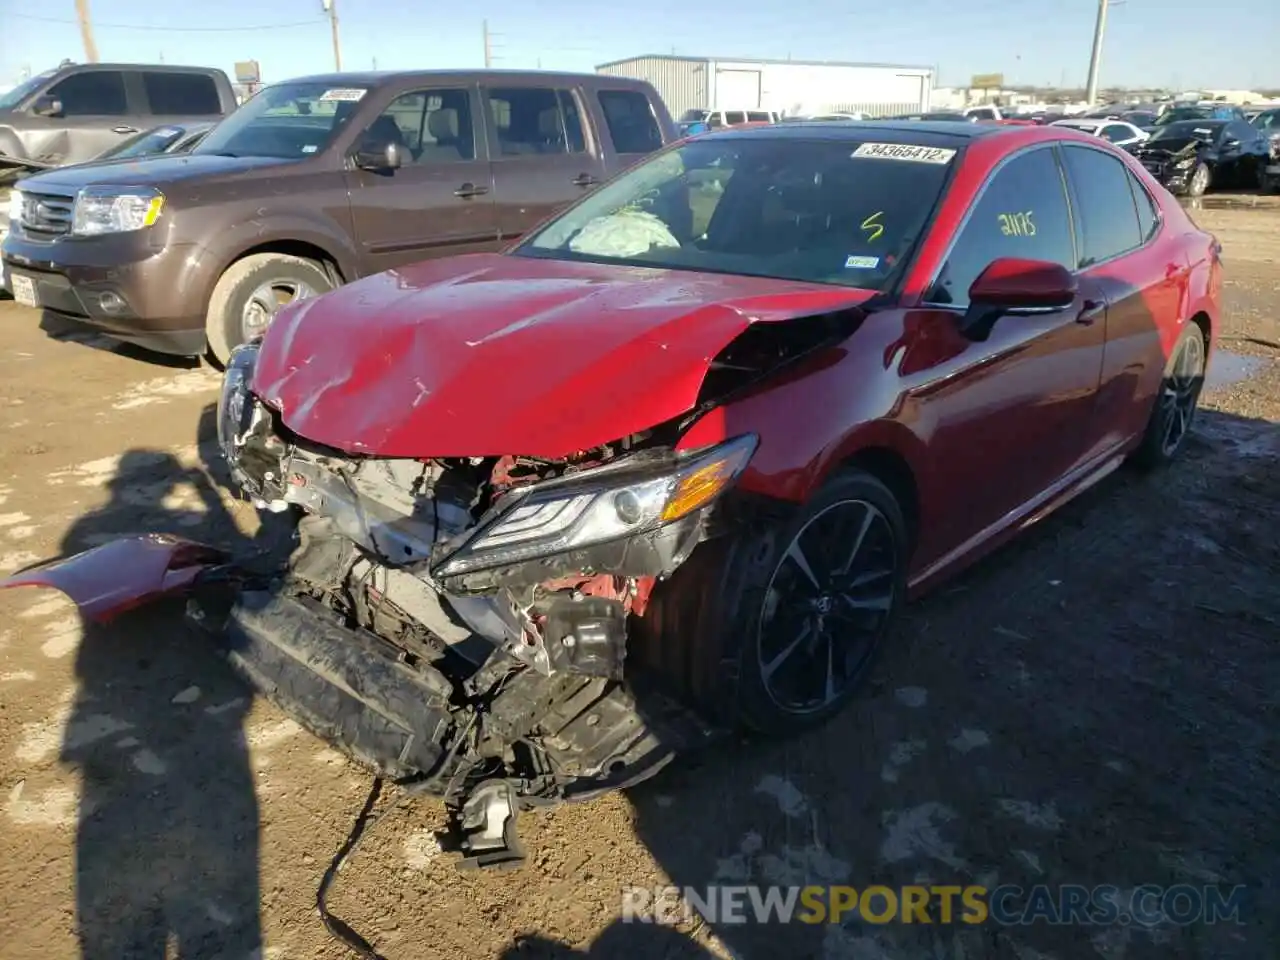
x=460, y=624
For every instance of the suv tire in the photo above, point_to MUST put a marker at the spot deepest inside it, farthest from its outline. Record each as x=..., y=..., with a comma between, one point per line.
x=258, y=285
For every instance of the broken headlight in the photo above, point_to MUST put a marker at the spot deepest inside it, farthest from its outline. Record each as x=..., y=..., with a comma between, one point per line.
x=597, y=506
x=234, y=407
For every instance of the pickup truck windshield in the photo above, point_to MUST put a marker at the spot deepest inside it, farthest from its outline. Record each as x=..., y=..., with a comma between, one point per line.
x=823, y=211
x=289, y=120
x=13, y=97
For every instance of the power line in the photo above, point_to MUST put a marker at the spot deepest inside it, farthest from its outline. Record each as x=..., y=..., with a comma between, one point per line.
x=149, y=27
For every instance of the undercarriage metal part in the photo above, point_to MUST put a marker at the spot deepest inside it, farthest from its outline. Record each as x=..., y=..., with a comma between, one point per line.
x=483, y=828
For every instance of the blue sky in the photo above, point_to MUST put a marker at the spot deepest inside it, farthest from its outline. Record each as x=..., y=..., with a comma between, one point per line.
x=1183, y=43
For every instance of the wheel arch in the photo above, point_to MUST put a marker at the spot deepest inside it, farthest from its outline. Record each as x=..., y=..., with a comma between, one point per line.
x=894, y=470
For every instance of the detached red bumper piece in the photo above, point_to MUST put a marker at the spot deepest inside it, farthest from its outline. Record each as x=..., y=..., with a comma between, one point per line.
x=118, y=576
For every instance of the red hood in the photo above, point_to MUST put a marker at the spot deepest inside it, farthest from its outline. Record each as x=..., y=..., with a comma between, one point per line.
x=488, y=355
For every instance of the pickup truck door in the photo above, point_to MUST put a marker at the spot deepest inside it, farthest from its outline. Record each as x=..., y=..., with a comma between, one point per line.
x=543, y=150
x=97, y=113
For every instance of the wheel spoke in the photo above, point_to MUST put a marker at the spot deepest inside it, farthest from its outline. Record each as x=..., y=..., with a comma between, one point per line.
x=829, y=692
x=868, y=516
x=770, y=668
x=796, y=555
x=867, y=603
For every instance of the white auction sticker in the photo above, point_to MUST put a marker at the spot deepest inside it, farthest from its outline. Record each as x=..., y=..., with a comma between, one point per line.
x=350, y=95
x=905, y=151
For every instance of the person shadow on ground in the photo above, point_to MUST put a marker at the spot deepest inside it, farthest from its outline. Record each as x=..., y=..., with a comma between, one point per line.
x=167, y=842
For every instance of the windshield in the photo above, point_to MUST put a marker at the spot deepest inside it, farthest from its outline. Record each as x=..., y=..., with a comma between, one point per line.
x=1178, y=114
x=824, y=211
x=143, y=144
x=23, y=90
x=1187, y=130
x=288, y=120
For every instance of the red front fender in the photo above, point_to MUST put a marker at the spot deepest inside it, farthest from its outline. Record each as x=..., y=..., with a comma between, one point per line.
x=118, y=576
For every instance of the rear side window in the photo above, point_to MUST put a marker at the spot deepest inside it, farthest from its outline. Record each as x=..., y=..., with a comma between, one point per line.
x=757, y=117
x=92, y=93
x=734, y=116
x=1022, y=213
x=531, y=121
x=181, y=94
x=1108, y=217
x=1147, y=215
x=629, y=117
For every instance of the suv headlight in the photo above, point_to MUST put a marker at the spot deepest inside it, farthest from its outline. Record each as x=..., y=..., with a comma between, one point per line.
x=100, y=210
x=596, y=506
x=233, y=404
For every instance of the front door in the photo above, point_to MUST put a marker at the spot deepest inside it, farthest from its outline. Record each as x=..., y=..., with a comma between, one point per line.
x=544, y=155
x=96, y=115
x=1008, y=417
x=440, y=200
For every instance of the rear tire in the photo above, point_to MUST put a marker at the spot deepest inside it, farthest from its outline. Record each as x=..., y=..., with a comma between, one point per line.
x=757, y=633
x=249, y=293
x=1173, y=413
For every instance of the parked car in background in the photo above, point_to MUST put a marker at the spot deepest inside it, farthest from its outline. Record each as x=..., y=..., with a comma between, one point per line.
x=170, y=138
x=313, y=183
x=699, y=121
x=986, y=112
x=832, y=117
x=1119, y=132
x=1198, y=111
x=952, y=116
x=1190, y=156
x=672, y=466
x=1268, y=121
x=76, y=112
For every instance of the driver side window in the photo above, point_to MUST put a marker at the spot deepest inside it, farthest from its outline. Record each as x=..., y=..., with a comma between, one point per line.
x=430, y=126
x=1022, y=212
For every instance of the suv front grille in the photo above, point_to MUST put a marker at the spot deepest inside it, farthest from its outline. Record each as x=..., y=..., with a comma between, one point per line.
x=46, y=215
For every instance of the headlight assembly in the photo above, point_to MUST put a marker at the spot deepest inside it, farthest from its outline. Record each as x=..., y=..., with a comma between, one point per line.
x=1185, y=163
x=597, y=506
x=233, y=404
x=100, y=210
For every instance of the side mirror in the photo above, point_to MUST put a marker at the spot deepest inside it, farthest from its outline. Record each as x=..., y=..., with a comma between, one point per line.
x=1230, y=143
x=47, y=106
x=1013, y=285
x=379, y=158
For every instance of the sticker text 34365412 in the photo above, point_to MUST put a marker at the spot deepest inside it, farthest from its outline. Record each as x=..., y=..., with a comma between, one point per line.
x=905, y=151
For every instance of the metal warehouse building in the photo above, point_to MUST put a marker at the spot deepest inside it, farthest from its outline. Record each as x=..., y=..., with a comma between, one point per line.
x=790, y=86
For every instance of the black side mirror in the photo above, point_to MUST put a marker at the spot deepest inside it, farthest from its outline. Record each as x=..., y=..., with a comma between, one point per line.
x=379, y=158
x=47, y=106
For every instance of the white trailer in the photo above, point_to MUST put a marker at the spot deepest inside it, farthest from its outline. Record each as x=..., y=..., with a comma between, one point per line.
x=787, y=86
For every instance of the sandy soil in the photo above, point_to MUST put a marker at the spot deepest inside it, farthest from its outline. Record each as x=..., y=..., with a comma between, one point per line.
x=1096, y=704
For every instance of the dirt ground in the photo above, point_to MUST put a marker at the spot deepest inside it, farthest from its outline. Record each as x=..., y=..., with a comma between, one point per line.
x=1096, y=704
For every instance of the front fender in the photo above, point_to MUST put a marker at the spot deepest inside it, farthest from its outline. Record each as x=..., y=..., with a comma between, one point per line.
x=118, y=576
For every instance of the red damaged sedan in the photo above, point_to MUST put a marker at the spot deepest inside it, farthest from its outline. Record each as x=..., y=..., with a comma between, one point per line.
x=673, y=463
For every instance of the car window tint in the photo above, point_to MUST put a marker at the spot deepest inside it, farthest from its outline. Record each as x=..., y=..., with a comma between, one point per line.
x=757, y=117
x=734, y=116
x=1022, y=213
x=1108, y=218
x=629, y=117
x=429, y=126
x=1114, y=132
x=1147, y=214
x=92, y=93
x=179, y=94
x=530, y=121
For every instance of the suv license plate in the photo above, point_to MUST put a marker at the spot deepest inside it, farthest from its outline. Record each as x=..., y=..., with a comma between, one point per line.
x=24, y=290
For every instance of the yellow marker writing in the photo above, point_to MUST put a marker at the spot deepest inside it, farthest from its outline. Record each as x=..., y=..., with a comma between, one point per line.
x=872, y=226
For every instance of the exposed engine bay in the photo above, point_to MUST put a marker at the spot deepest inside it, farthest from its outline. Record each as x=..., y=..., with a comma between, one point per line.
x=460, y=625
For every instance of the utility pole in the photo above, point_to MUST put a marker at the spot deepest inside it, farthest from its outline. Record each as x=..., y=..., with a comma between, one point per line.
x=488, y=51
x=86, y=31
x=1095, y=60
x=331, y=8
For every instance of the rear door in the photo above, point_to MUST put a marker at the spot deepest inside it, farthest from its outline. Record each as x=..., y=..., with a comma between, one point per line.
x=1009, y=415
x=96, y=113
x=172, y=95
x=441, y=199
x=1116, y=223
x=544, y=154
x=628, y=124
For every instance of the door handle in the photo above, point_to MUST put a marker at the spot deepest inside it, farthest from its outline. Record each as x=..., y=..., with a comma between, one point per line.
x=124, y=129
x=585, y=180
x=470, y=190
x=1090, y=312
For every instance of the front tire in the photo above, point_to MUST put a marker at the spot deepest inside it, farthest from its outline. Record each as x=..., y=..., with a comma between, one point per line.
x=1198, y=182
x=775, y=628
x=247, y=297
x=1173, y=414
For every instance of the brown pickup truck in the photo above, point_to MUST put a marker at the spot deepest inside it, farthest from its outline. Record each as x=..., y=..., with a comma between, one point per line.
x=312, y=183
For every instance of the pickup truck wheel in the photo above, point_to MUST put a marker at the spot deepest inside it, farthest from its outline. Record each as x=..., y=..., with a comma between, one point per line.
x=247, y=297
x=773, y=629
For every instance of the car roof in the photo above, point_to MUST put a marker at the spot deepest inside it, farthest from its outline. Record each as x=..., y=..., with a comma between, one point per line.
x=929, y=133
x=377, y=78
